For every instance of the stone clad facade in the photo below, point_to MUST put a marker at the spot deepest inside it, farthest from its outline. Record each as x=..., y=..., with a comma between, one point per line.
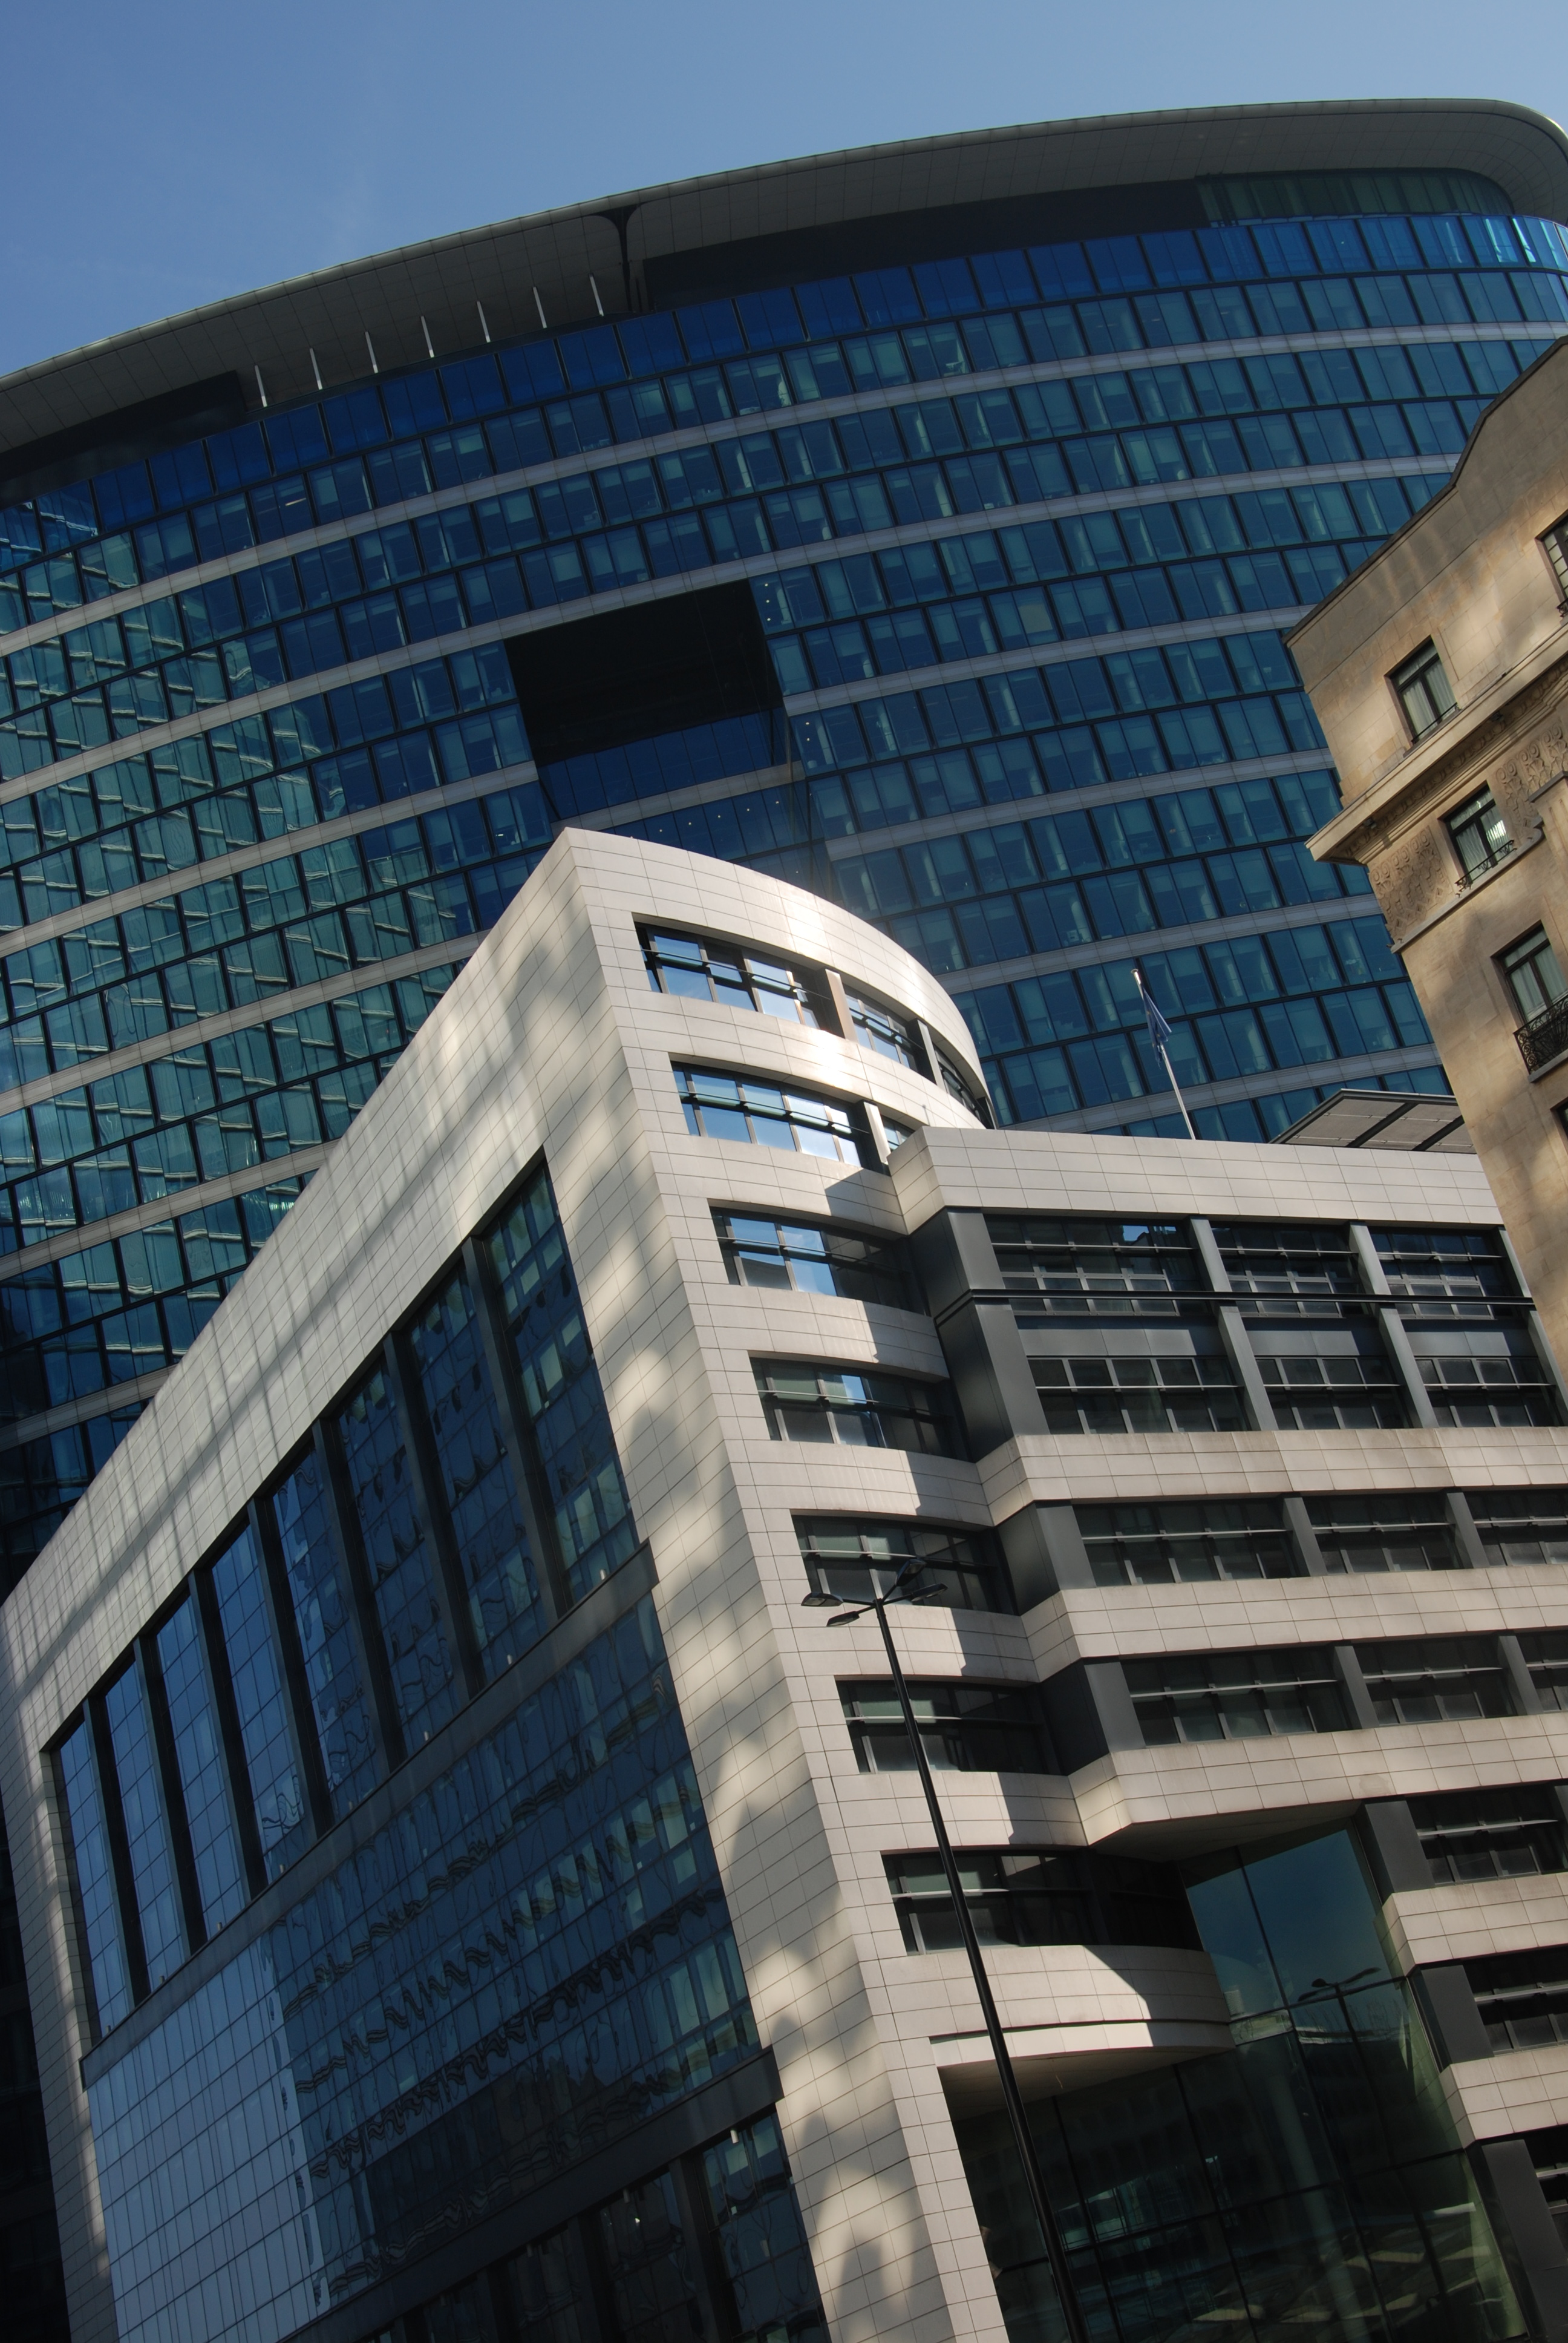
x=594, y=1982
x=1473, y=577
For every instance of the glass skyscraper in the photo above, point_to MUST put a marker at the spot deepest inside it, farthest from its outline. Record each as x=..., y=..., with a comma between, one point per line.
x=934, y=554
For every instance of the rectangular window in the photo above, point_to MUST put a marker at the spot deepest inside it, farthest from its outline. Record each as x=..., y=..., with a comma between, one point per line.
x=562, y=1396
x=969, y=1728
x=1378, y=1534
x=1237, y=1695
x=1424, y=690
x=1436, y=1680
x=1495, y=1377
x=1522, y=1997
x=198, y=1756
x=1181, y=1543
x=886, y=1032
x=1534, y=978
x=959, y=1085
x=1507, y=1833
x=1546, y=1657
x=255, y=1674
x=1040, y=1896
x=1446, y=1274
x=1353, y=1388
x=1139, y=1394
x=95, y=1881
x=818, y=1257
x=807, y=1400
x=477, y=1483
x=724, y=1106
x=1480, y=835
x=1286, y=1270
x=1521, y=1525
x=401, y=1567
x=318, y=1590
x=1097, y=1269
x=146, y=1826
x=1554, y=545
x=696, y=968
x=852, y=1560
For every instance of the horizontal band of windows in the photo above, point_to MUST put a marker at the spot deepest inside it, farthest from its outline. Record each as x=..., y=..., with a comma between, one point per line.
x=703, y=967
x=55, y=708
x=852, y=1559
x=1243, y=1695
x=471, y=847
x=205, y=1110
x=1004, y=337
x=1045, y=1895
x=1517, y=1831
x=1076, y=1036
x=964, y=1726
x=818, y=1257
x=159, y=1038
x=128, y=1307
x=824, y=1405
x=1260, y=1107
x=756, y=1112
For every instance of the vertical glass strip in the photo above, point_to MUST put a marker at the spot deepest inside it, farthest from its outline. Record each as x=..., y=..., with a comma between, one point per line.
x=561, y=1389
x=761, y=2236
x=319, y=1589
x=487, y=1527
x=94, y=1880
x=256, y=1671
x=146, y=1827
x=220, y=1873
x=401, y=1573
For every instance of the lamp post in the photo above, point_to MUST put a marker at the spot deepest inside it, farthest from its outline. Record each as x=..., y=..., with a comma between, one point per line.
x=902, y=1591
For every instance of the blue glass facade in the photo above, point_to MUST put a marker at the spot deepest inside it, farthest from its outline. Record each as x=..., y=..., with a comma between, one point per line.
x=1016, y=527
x=492, y=1977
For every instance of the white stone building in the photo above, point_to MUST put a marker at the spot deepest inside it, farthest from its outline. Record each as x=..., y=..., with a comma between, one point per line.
x=465, y=1894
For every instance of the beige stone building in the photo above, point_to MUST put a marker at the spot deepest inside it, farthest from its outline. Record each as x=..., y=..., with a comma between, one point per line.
x=1439, y=671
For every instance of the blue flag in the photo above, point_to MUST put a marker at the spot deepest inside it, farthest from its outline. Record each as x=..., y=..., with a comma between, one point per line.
x=1159, y=1023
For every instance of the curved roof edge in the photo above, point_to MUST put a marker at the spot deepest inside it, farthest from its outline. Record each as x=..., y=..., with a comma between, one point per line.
x=393, y=297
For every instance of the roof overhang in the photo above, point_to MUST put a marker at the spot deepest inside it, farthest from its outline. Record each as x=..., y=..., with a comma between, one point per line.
x=394, y=298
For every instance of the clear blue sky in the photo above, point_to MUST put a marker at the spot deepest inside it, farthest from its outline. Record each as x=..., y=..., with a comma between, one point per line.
x=168, y=152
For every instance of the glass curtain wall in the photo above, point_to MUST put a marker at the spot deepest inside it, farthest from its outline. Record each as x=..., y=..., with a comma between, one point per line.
x=529, y=1957
x=1310, y=2177
x=1022, y=527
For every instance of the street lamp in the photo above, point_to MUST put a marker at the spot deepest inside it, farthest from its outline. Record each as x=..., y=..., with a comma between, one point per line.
x=902, y=1591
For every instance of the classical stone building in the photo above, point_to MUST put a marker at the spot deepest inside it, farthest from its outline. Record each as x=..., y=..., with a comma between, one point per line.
x=1439, y=671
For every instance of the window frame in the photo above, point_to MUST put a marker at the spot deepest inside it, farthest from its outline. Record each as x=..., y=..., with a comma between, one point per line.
x=899, y=1274
x=858, y=1130
x=1514, y=956
x=780, y=1410
x=1471, y=815
x=1553, y=544
x=1410, y=676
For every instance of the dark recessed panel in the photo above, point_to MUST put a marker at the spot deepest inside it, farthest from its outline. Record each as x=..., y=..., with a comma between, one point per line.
x=944, y=233
x=597, y=683
x=146, y=429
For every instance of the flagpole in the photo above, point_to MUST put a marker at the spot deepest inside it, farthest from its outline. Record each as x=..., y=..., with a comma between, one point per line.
x=1159, y=1035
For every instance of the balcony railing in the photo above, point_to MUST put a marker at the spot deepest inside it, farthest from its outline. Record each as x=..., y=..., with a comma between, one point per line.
x=1545, y=1037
